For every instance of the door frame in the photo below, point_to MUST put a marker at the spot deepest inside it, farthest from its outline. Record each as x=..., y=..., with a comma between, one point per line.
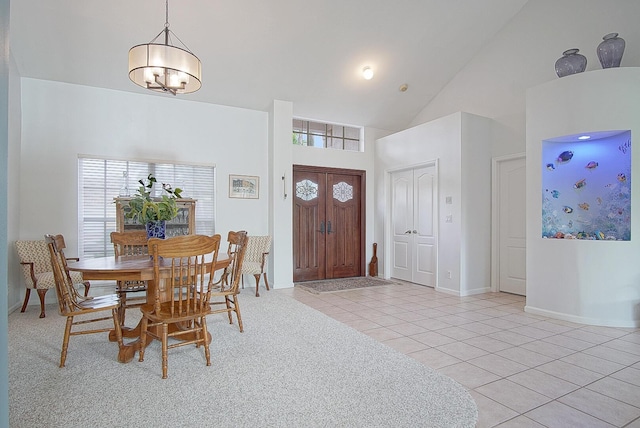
x=495, y=217
x=363, y=201
x=388, y=239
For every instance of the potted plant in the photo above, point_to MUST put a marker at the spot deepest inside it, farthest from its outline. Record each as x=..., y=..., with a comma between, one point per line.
x=154, y=212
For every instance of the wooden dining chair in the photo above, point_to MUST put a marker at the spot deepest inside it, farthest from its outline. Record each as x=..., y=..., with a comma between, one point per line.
x=225, y=297
x=182, y=264
x=72, y=304
x=130, y=244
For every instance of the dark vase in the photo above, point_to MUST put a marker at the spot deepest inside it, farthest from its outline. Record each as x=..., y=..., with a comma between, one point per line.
x=156, y=229
x=610, y=50
x=571, y=63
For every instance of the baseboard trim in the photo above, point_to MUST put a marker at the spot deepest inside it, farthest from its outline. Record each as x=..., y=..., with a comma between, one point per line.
x=582, y=320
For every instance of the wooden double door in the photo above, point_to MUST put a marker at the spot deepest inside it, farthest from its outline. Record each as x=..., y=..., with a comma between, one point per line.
x=328, y=222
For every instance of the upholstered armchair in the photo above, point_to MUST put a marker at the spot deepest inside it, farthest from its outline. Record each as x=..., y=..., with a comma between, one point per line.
x=255, y=259
x=35, y=262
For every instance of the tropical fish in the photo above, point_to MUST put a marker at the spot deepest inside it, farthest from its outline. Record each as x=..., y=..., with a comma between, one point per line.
x=622, y=178
x=580, y=183
x=584, y=206
x=567, y=209
x=565, y=157
x=592, y=165
x=555, y=194
x=599, y=200
x=550, y=167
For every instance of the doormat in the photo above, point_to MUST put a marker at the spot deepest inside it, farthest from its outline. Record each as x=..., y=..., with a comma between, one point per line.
x=341, y=284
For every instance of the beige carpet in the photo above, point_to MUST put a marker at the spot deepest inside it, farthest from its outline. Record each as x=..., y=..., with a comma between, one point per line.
x=292, y=367
x=330, y=285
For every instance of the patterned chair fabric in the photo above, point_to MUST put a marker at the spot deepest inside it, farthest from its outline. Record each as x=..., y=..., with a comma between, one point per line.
x=35, y=262
x=255, y=259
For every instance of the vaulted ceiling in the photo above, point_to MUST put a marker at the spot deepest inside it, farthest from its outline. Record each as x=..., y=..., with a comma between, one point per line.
x=255, y=51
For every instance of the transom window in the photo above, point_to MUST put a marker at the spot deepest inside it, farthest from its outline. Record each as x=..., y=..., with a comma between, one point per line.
x=326, y=135
x=102, y=180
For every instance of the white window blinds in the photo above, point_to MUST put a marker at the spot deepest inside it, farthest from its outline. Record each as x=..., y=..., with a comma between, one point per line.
x=101, y=180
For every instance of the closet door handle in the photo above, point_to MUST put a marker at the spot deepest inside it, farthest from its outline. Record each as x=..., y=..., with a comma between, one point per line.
x=415, y=231
x=329, y=231
x=321, y=227
x=407, y=232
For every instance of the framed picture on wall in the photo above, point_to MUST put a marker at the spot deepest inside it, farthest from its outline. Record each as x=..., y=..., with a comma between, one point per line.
x=244, y=186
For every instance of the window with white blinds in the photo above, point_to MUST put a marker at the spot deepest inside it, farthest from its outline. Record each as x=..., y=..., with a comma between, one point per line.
x=102, y=180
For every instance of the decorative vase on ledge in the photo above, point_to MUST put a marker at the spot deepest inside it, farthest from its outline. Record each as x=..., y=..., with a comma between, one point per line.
x=571, y=63
x=610, y=50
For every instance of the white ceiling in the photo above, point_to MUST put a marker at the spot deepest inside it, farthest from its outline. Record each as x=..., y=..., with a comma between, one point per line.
x=257, y=51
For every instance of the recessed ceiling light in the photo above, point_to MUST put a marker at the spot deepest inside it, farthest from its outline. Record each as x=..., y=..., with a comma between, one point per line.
x=584, y=137
x=367, y=73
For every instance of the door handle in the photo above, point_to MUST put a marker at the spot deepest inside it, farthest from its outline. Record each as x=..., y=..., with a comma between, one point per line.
x=407, y=232
x=415, y=231
x=321, y=227
x=329, y=227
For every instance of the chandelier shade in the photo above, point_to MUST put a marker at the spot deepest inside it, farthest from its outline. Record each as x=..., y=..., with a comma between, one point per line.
x=165, y=67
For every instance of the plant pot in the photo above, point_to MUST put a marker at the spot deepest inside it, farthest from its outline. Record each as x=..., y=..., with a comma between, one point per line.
x=156, y=229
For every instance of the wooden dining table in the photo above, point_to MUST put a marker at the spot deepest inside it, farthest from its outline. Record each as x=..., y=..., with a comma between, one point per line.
x=131, y=268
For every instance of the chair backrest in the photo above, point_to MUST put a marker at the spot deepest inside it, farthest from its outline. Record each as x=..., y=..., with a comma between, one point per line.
x=236, y=251
x=130, y=243
x=256, y=247
x=183, y=262
x=64, y=286
x=33, y=252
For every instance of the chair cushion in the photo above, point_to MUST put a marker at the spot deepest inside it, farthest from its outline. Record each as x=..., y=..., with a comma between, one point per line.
x=251, y=268
x=46, y=280
x=37, y=253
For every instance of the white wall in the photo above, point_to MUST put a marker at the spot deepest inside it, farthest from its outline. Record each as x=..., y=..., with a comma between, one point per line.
x=593, y=282
x=60, y=121
x=460, y=144
x=523, y=55
x=16, y=288
x=5, y=109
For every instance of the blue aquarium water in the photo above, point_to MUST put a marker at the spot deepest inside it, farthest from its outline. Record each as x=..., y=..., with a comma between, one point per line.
x=586, y=187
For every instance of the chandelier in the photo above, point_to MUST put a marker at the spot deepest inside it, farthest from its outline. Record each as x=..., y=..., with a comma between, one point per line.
x=163, y=67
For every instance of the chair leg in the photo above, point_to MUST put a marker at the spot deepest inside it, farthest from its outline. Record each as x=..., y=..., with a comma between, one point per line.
x=226, y=301
x=143, y=337
x=123, y=306
x=165, y=347
x=86, y=288
x=266, y=281
x=65, y=341
x=26, y=300
x=207, y=353
x=41, y=294
x=116, y=323
x=257, y=276
x=236, y=309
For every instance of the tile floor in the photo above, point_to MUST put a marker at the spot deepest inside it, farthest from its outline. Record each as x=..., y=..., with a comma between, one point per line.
x=523, y=370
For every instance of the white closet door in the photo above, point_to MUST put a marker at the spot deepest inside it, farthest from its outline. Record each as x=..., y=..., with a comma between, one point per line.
x=512, y=226
x=413, y=208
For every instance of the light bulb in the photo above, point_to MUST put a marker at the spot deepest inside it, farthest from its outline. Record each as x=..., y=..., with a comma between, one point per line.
x=367, y=73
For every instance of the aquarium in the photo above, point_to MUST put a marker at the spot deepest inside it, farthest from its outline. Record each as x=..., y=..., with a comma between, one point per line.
x=586, y=186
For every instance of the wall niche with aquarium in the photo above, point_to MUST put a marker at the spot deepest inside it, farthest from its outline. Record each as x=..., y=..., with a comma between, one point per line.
x=586, y=186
